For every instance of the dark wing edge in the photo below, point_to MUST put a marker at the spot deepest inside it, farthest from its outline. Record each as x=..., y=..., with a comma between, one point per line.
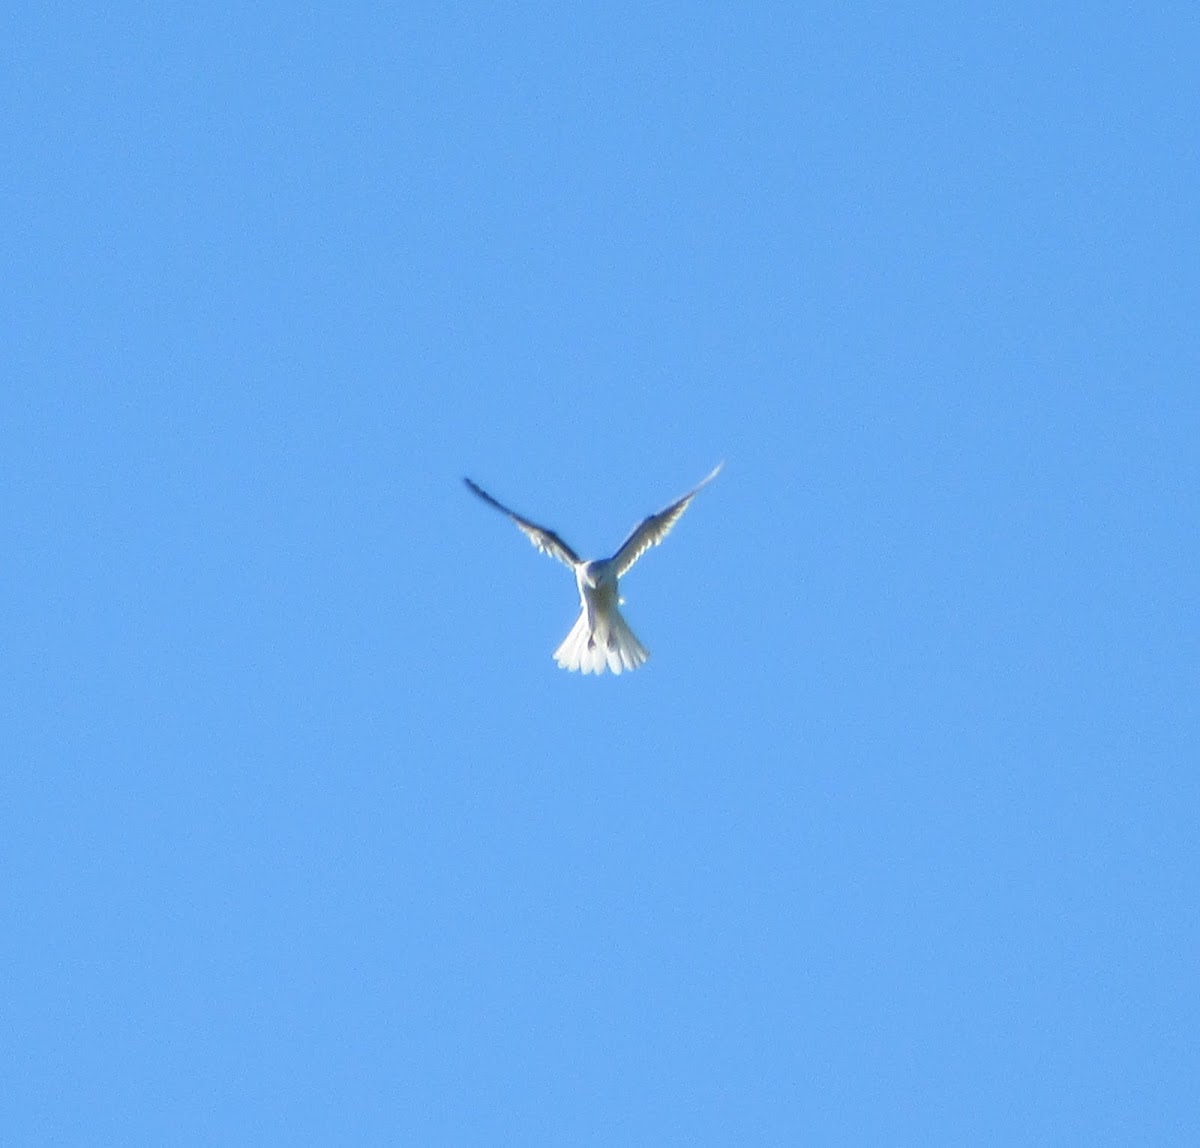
x=652, y=530
x=544, y=540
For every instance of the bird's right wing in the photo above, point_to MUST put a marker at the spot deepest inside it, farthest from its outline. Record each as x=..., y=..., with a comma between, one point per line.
x=545, y=540
x=651, y=531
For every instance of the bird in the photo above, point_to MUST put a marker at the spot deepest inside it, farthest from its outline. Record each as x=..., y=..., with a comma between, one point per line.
x=601, y=638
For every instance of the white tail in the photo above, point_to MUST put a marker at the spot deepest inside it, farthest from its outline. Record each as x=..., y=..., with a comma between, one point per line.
x=610, y=643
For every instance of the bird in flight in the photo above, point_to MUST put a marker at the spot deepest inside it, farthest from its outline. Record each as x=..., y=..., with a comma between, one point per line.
x=600, y=637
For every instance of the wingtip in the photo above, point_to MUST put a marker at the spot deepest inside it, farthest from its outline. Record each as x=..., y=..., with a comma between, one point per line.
x=478, y=491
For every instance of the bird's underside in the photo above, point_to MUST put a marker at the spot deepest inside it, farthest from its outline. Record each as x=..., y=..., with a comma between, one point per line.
x=601, y=638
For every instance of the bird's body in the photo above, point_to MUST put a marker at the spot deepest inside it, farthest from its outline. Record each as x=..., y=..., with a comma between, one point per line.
x=601, y=638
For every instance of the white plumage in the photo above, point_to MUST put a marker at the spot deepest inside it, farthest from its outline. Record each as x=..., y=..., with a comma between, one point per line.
x=601, y=638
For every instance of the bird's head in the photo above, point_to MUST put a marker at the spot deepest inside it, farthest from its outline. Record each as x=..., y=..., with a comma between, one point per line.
x=593, y=572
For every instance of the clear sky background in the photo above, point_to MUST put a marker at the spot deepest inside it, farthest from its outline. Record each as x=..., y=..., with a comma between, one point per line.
x=303, y=836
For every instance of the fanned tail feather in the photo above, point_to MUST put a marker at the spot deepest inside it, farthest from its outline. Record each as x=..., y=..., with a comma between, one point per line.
x=610, y=644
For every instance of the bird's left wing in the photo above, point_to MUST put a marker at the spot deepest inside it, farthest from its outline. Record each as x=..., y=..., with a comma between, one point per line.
x=651, y=531
x=545, y=540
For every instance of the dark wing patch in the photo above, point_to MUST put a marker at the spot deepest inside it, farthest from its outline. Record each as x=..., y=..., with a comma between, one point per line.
x=544, y=540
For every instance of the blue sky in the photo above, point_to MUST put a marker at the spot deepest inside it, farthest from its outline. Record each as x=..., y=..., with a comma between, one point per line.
x=304, y=837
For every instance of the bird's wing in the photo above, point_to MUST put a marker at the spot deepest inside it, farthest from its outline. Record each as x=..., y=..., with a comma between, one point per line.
x=651, y=531
x=545, y=540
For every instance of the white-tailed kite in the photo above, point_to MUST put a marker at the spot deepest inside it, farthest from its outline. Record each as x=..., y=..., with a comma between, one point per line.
x=600, y=637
